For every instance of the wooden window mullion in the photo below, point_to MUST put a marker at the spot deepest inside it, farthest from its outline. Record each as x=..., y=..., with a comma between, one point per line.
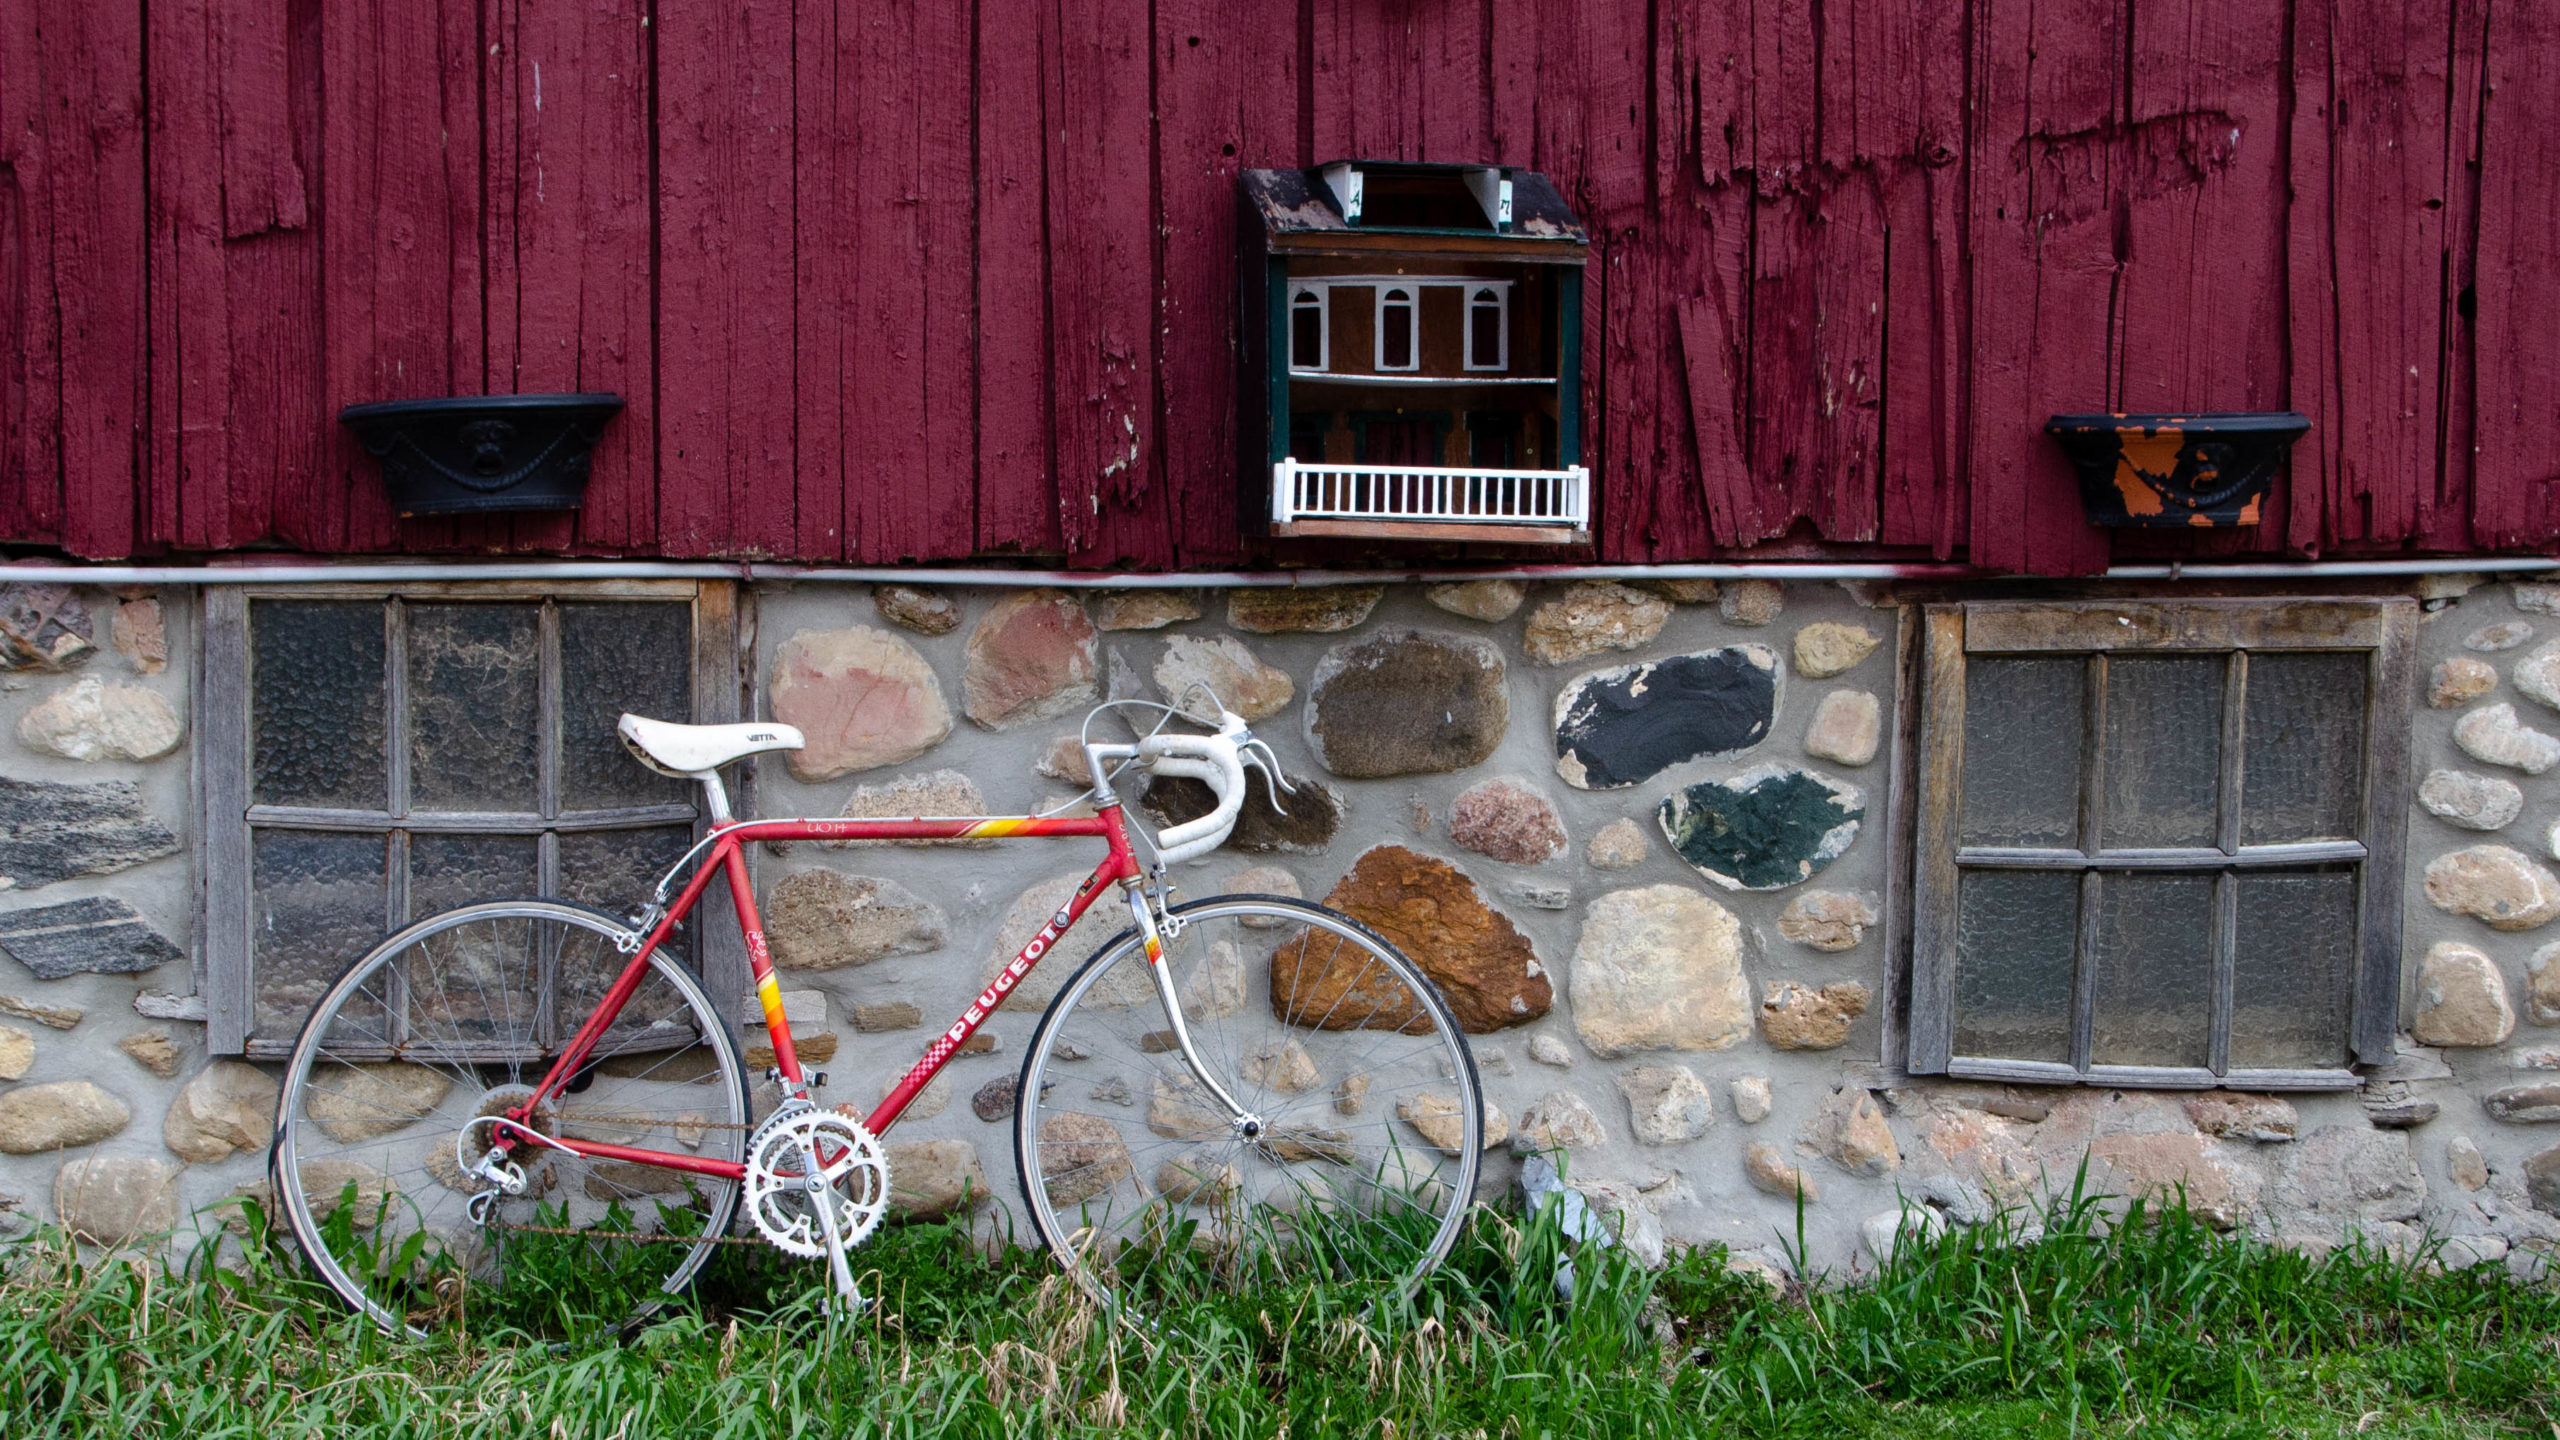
x=2093, y=790
x=395, y=723
x=2226, y=886
x=2226, y=918
x=549, y=683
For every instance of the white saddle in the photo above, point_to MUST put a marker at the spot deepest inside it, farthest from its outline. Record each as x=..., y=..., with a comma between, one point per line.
x=690, y=752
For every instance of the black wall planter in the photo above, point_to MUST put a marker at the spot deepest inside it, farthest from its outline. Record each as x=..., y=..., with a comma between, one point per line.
x=473, y=454
x=2176, y=470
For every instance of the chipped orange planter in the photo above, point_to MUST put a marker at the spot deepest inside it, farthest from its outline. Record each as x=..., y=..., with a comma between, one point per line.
x=2181, y=470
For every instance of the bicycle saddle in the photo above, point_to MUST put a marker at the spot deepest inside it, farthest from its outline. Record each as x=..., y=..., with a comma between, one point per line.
x=689, y=751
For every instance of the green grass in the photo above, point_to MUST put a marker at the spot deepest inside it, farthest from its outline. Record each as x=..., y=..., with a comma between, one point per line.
x=2152, y=1327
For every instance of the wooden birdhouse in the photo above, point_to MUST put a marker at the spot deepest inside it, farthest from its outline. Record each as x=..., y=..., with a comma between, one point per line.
x=1413, y=353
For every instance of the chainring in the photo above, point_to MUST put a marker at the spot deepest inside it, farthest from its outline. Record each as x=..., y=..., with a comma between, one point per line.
x=853, y=1177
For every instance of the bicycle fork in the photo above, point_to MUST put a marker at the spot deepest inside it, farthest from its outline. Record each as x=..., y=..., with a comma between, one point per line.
x=1247, y=1124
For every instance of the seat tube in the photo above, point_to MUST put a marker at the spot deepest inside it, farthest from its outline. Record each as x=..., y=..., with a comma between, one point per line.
x=760, y=964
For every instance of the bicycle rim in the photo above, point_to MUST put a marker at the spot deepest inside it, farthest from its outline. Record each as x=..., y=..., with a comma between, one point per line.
x=1368, y=1119
x=455, y=1018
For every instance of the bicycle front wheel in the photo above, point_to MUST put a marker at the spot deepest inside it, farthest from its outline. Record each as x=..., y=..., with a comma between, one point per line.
x=454, y=1019
x=1348, y=1159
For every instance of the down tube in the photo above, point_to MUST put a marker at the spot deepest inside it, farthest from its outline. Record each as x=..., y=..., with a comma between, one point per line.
x=949, y=1042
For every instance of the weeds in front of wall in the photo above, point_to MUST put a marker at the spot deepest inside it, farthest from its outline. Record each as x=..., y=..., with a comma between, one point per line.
x=2141, y=1322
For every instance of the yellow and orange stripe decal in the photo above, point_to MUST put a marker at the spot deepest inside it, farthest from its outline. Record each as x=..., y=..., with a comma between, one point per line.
x=769, y=995
x=998, y=829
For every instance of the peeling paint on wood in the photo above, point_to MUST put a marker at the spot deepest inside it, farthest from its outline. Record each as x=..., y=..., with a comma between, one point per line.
x=927, y=282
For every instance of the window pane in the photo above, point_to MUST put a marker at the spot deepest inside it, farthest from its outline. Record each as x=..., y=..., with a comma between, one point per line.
x=615, y=657
x=2154, y=963
x=1306, y=333
x=450, y=870
x=2293, y=966
x=477, y=982
x=2164, y=747
x=1395, y=319
x=475, y=687
x=1484, y=350
x=316, y=904
x=2014, y=937
x=317, y=700
x=2302, y=763
x=2023, y=725
x=613, y=871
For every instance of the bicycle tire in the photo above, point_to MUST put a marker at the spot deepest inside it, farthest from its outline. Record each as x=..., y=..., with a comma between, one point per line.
x=350, y=1127
x=1366, y=1190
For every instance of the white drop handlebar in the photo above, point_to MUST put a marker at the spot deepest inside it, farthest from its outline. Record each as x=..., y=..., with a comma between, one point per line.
x=1217, y=761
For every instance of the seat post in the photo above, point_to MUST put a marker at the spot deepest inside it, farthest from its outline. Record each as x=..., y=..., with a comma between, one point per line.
x=715, y=799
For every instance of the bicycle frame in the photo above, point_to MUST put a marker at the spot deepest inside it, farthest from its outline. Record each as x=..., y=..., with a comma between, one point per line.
x=727, y=857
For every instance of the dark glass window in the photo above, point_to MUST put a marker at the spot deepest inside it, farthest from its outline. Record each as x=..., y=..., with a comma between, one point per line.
x=1484, y=330
x=1395, y=330
x=1306, y=331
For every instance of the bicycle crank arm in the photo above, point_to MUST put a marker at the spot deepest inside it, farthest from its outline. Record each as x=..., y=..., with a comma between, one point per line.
x=822, y=1200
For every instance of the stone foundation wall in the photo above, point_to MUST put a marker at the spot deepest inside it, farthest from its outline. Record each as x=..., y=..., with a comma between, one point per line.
x=1500, y=776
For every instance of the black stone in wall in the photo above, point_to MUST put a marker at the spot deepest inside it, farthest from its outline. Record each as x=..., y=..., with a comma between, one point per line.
x=1625, y=726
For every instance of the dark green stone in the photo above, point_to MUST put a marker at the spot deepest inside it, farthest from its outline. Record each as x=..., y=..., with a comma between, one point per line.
x=1765, y=828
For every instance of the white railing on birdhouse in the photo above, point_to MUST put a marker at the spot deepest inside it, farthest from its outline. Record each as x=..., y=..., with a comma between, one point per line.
x=1430, y=494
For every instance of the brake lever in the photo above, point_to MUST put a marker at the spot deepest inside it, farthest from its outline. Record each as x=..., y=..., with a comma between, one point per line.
x=1257, y=755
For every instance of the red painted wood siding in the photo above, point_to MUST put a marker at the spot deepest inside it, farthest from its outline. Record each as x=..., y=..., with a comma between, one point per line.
x=919, y=281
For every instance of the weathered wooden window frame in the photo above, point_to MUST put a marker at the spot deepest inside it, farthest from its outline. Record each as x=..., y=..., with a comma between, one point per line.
x=2383, y=629
x=223, y=768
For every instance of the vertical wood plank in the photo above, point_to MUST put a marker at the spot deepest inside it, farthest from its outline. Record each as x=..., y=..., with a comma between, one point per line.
x=1908, y=121
x=78, y=197
x=31, y=385
x=192, y=370
x=2043, y=216
x=2517, y=386
x=278, y=426
x=1112, y=497
x=2445, y=515
x=1226, y=99
x=2203, y=283
x=2366, y=247
x=727, y=463
x=568, y=244
x=1705, y=176
x=1626, y=306
x=400, y=244
x=1018, y=506
x=885, y=309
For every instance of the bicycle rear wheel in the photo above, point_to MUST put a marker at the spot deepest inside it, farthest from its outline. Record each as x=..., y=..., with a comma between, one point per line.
x=458, y=1017
x=1354, y=1158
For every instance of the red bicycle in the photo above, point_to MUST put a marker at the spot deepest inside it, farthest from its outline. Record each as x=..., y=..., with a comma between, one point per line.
x=531, y=1102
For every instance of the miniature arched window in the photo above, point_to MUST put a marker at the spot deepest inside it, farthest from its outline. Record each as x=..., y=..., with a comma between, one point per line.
x=1307, y=337
x=1397, y=346
x=1488, y=338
